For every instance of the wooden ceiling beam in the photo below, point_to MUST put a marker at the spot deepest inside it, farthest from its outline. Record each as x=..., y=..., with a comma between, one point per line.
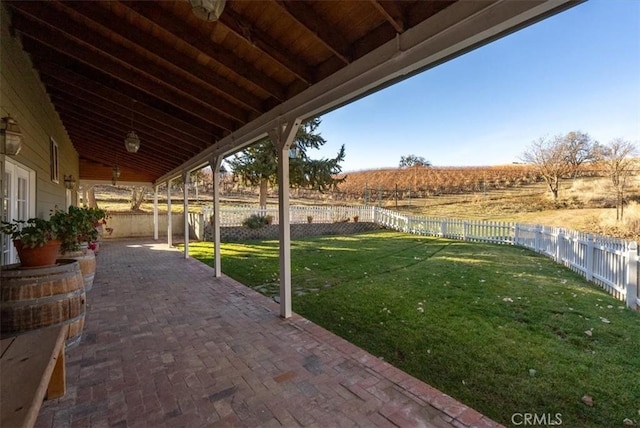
x=268, y=46
x=65, y=76
x=110, y=120
x=127, y=72
x=201, y=42
x=123, y=74
x=102, y=122
x=324, y=33
x=392, y=14
x=91, y=170
x=120, y=112
x=64, y=30
x=102, y=17
x=106, y=155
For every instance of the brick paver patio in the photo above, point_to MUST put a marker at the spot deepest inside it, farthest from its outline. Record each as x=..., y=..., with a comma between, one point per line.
x=167, y=344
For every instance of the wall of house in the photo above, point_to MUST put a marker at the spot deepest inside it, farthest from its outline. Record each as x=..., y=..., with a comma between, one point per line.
x=23, y=95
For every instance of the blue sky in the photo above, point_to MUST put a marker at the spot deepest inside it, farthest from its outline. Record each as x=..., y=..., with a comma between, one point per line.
x=579, y=70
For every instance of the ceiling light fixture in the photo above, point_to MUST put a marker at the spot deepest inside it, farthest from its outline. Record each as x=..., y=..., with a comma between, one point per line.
x=208, y=10
x=132, y=141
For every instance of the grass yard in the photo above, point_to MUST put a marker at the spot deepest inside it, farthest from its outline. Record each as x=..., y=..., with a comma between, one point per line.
x=499, y=328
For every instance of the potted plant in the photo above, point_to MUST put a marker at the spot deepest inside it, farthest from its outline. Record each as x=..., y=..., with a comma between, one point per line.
x=34, y=239
x=77, y=227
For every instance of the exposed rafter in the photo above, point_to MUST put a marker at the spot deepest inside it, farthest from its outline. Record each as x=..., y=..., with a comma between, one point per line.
x=392, y=13
x=329, y=37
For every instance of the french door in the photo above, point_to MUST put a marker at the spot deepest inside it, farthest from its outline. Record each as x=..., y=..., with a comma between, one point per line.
x=18, y=202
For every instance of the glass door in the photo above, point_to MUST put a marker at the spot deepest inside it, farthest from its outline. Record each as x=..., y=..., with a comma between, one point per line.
x=18, y=203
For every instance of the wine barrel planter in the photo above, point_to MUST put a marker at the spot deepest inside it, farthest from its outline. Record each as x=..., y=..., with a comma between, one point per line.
x=87, y=260
x=35, y=298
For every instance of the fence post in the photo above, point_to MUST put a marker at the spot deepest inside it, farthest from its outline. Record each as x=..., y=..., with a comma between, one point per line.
x=443, y=228
x=516, y=234
x=590, y=250
x=538, y=233
x=559, y=242
x=632, y=276
x=465, y=231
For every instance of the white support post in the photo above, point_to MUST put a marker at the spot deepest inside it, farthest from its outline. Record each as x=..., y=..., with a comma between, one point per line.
x=215, y=164
x=282, y=138
x=169, y=219
x=632, y=276
x=185, y=205
x=155, y=213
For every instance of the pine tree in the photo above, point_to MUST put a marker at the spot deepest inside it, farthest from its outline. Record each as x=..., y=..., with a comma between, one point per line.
x=258, y=165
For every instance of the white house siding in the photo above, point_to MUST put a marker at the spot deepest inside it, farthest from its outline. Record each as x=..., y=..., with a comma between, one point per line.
x=23, y=95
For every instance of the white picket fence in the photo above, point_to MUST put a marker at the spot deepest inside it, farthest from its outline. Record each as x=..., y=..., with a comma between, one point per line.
x=235, y=215
x=611, y=263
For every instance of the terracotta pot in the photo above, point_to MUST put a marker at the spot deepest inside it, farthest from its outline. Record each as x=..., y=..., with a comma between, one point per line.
x=38, y=256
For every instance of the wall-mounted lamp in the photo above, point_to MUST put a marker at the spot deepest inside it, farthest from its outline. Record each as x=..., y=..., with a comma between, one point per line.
x=208, y=10
x=69, y=182
x=10, y=136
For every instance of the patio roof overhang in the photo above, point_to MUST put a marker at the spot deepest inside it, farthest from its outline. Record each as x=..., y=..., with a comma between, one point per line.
x=196, y=90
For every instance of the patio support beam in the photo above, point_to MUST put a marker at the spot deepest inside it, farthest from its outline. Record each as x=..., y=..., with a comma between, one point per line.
x=282, y=137
x=169, y=221
x=185, y=204
x=155, y=213
x=215, y=163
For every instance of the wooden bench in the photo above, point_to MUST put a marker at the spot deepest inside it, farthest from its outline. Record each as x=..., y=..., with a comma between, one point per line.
x=32, y=369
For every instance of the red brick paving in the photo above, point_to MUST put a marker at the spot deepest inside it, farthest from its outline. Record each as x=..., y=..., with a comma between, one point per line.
x=167, y=344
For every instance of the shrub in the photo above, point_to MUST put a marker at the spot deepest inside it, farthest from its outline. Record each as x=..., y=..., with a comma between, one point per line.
x=256, y=221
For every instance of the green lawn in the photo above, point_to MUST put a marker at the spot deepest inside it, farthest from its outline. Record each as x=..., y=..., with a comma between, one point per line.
x=473, y=320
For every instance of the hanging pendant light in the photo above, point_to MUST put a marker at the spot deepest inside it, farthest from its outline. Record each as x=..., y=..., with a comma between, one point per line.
x=115, y=175
x=132, y=141
x=208, y=10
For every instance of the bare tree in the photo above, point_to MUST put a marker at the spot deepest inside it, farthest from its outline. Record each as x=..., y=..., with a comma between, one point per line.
x=91, y=198
x=619, y=162
x=550, y=158
x=580, y=149
x=138, y=195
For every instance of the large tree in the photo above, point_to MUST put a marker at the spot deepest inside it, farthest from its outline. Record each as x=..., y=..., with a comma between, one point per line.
x=257, y=165
x=619, y=159
x=580, y=149
x=413, y=160
x=549, y=156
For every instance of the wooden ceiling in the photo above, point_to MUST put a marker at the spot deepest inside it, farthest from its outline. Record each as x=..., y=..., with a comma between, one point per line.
x=186, y=83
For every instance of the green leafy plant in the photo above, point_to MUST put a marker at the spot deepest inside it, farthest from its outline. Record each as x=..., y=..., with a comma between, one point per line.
x=256, y=221
x=34, y=232
x=77, y=226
